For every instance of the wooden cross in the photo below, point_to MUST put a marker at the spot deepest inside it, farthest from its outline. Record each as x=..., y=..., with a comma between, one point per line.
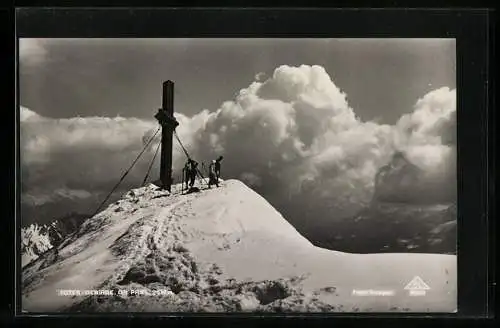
x=165, y=117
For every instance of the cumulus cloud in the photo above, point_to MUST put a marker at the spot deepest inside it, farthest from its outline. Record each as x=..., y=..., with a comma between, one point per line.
x=295, y=132
x=431, y=124
x=427, y=136
x=32, y=51
x=293, y=137
x=26, y=115
x=260, y=76
x=292, y=130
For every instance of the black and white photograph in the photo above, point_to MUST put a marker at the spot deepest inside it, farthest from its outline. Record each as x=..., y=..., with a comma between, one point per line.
x=252, y=175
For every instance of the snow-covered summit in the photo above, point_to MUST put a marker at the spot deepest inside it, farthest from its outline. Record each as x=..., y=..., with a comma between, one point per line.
x=221, y=249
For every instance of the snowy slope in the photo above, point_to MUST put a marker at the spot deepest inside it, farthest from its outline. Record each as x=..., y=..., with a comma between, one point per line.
x=224, y=249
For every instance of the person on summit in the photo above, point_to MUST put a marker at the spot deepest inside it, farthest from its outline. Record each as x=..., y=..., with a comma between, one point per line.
x=190, y=170
x=217, y=167
x=212, y=176
x=186, y=173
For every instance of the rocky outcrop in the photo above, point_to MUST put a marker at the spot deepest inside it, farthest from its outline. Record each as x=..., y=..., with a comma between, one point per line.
x=38, y=239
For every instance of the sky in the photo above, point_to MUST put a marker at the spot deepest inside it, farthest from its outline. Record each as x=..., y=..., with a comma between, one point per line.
x=85, y=77
x=307, y=123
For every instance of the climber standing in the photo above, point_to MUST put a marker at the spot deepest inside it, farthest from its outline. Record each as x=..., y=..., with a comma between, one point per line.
x=217, y=168
x=193, y=169
x=186, y=173
x=212, y=176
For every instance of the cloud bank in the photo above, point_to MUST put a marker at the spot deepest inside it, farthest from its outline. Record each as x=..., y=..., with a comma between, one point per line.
x=296, y=134
x=32, y=52
x=70, y=158
x=292, y=136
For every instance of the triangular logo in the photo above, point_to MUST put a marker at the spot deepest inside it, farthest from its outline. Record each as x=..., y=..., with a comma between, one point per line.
x=417, y=284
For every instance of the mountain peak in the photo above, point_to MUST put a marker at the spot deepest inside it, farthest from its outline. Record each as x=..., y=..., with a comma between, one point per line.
x=220, y=249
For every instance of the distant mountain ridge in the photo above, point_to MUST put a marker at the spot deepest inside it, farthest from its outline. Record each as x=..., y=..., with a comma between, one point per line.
x=406, y=214
x=37, y=239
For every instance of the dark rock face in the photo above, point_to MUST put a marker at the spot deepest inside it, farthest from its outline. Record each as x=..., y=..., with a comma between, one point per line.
x=393, y=180
x=269, y=292
x=65, y=226
x=443, y=238
x=404, y=215
x=395, y=227
x=62, y=227
x=401, y=181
